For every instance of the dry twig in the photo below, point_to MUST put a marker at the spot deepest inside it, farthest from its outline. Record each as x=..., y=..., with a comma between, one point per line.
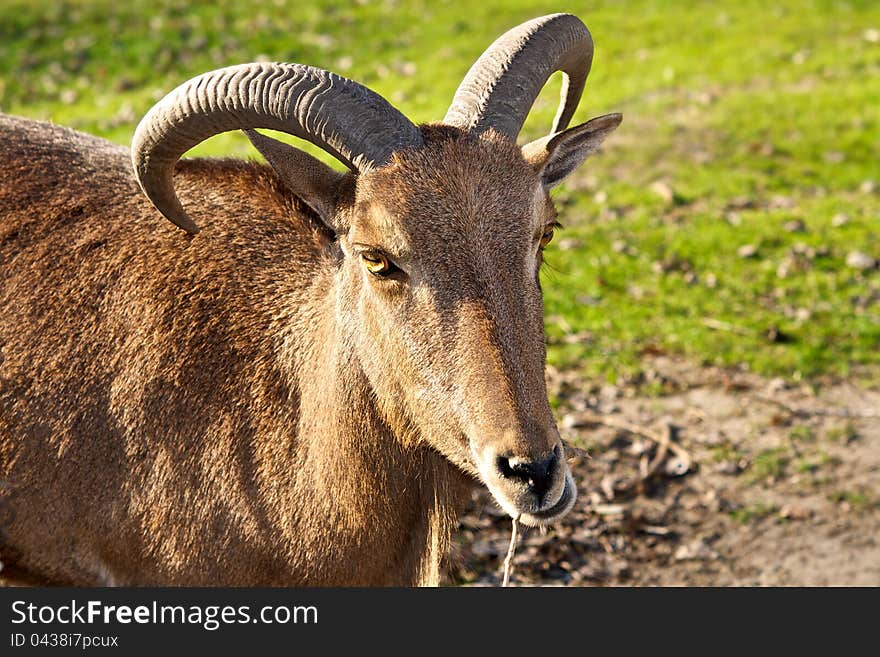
x=647, y=469
x=816, y=412
x=510, y=551
x=663, y=440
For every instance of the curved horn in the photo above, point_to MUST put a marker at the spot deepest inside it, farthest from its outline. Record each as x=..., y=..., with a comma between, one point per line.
x=346, y=119
x=502, y=85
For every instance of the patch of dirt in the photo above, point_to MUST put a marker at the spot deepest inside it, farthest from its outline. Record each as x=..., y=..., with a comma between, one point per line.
x=764, y=484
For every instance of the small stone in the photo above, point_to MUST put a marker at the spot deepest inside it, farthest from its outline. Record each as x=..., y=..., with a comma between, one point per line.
x=620, y=246
x=747, y=251
x=800, y=57
x=871, y=35
x=618, y=568
x=609, y=392
x=777, y=384
x=860, y=260
x=639, y=447
x=784, y=268
x=801, y=248
x=677, y=466
x=868, y=187
x=794, y=513
x=610, y=509
x=697, y=550
x=711, y=501
x=795, y=226
x=776, y=335
x=742, y=203
x=569, y=244
x=663, y=190
x=728, y=468
x=781, y=202
x=840, y=219
x=733, y=218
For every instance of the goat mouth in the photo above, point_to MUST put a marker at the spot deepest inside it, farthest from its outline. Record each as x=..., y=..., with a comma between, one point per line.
x=558, y=510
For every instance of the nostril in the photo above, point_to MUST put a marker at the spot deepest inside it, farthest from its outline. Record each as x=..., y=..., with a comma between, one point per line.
x=537, y=475
x=506, y=467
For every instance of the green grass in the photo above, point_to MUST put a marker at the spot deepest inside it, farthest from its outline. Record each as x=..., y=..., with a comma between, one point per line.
x=856, y=499
x=801, y=433
x=751, y=114
x=843, y=433
x=813, y=462
x=758, y=511
x=726, y=452
x=769, y=464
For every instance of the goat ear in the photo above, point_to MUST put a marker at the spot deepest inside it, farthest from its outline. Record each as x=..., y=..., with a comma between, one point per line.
x=557, y=156
x=306, y=176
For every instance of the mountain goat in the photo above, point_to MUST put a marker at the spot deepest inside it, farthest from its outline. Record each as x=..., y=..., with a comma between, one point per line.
x=305, y=391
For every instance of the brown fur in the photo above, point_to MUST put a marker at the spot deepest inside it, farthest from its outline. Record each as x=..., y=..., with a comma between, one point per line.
x=249, y=406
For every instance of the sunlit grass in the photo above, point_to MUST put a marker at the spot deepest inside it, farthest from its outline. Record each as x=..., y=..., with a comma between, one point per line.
x=750, y=128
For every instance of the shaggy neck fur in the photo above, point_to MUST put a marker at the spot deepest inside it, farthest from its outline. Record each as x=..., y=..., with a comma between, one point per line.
x=383, y=500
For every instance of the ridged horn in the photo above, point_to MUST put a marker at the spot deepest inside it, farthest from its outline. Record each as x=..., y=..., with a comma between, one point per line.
x=502, y=85
x=349, y=121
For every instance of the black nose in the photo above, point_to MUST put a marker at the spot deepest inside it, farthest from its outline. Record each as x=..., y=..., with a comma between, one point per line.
x=537, y=475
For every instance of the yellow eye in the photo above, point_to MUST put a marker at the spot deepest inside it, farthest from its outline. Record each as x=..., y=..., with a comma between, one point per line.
x=376, y=264
x=546, y=236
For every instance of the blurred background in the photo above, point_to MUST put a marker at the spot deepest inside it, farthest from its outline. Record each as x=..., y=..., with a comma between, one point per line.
x=713, y=303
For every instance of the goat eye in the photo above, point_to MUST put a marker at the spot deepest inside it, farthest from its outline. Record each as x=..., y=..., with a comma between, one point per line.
x=377, y=264
x=546, y=236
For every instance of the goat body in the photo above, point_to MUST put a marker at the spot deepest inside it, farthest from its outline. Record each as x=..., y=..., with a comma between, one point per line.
x=305, y=392
x=160, y=384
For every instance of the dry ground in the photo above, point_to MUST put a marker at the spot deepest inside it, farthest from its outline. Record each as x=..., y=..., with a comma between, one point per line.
x=765, y=483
